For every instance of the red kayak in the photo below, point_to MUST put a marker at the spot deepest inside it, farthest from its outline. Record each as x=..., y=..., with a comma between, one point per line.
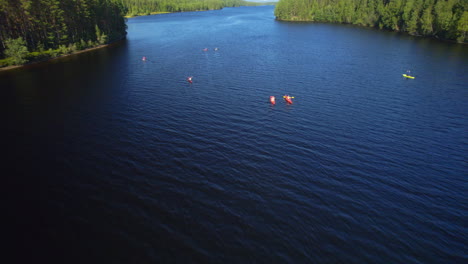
x=272, y=100
x=288, y=98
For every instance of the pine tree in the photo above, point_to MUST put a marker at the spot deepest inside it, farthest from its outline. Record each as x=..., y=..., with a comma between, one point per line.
x=16, y=50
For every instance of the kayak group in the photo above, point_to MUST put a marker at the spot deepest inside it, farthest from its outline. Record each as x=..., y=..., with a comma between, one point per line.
x=206, y=49
x=287, y=98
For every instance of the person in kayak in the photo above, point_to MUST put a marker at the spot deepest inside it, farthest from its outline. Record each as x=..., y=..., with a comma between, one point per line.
x=189, y=79
x=288, y=98
x=143, y=59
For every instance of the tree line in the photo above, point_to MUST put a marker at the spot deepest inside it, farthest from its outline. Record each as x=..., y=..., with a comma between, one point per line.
x=35, y=29
x=147, y=7
x=444, y=19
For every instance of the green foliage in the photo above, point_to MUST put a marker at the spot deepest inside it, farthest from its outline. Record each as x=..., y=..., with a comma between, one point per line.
x=52, y=53
x=62, y=49
x=445, y=19
x=54, y=24
x=462, y=27
x=101, y=37
x=16, y=50
x=39, y=56
x=72, y=48
x=82, y=45
x=426, y=21
x=40, y=47
x=6, y=62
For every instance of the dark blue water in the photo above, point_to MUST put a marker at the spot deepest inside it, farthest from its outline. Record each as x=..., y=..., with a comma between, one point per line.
x=111, y=159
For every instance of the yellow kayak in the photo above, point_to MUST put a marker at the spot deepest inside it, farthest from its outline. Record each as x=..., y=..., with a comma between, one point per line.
x=408, y=76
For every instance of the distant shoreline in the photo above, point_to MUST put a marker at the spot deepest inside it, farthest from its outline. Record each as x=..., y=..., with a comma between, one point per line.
x=161, y=13
x=152, y=13
x=166, y=12
x=7, y=68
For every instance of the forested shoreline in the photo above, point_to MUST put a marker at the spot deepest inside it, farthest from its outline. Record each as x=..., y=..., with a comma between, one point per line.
x=147, y=7
x=34, y=30
x=443, y=19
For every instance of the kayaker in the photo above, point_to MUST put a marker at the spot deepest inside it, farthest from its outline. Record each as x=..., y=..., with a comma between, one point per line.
x=189, y=79
x=143, y=59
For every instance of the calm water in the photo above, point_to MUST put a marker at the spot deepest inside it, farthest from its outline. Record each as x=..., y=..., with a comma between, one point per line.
x=115, y=160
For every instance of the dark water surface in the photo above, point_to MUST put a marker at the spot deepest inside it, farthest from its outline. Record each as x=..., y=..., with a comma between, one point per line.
x=114, y=160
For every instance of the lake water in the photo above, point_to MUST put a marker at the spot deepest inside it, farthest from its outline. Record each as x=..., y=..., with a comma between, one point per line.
x=111, y=159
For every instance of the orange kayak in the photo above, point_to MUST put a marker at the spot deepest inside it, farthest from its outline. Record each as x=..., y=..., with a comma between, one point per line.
x=288, y=98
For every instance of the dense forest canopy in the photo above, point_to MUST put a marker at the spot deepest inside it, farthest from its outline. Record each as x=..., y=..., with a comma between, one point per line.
x=49, y=24
x=445, y=19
